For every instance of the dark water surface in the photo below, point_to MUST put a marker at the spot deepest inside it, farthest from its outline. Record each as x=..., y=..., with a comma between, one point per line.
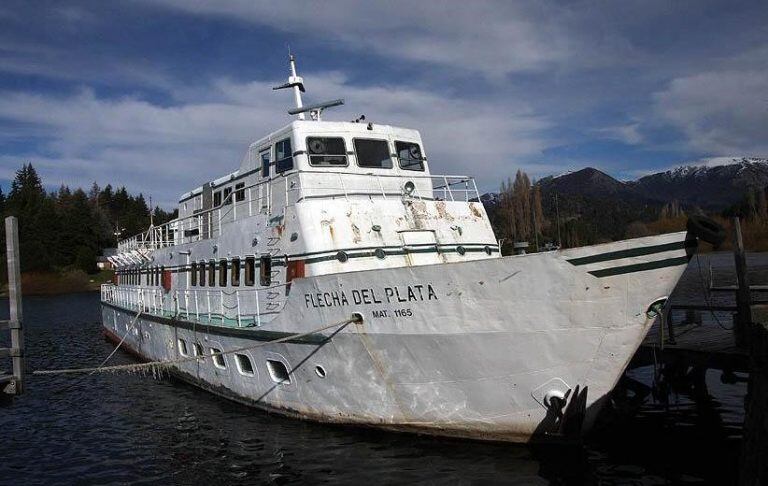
x=117, y=429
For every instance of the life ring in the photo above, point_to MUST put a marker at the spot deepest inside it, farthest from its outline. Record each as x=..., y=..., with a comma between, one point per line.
x=706, y=229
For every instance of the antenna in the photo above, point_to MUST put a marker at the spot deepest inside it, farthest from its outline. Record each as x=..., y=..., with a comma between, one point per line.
x=315, y=110
x=297, y=83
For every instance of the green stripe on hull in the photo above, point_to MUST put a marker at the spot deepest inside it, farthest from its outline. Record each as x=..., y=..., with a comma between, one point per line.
x=632, y=252
x=640, y=267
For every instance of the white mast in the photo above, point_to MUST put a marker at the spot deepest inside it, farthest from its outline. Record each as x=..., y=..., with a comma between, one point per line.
x=296, y=81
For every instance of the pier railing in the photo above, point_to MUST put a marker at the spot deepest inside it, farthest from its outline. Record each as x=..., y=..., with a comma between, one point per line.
x=239, y=308
x=294, y=188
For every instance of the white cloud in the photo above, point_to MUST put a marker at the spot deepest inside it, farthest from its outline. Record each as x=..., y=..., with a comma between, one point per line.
x=721, y=113
x=494, y=38
x=629, y=134
x=166, y=150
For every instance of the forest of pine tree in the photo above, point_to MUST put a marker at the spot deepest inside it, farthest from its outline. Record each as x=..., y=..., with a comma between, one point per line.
x=66, y=228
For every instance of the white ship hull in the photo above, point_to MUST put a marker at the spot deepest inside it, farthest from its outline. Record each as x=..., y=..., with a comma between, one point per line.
x=468, y=349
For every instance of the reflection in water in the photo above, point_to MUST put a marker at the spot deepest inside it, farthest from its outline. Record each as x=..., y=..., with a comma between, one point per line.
x=114, y=429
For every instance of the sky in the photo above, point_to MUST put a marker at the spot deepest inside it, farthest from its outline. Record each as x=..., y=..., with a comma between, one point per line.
x=163, y=95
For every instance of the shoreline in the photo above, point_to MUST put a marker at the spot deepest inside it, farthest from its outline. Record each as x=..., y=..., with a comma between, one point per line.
x=59, y=283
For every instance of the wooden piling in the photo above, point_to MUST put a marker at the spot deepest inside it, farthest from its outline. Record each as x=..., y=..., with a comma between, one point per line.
x=743, y=312
x=754, y=467
x=14, y=385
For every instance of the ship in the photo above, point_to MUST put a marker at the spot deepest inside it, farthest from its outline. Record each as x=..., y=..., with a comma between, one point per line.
x=334, y=278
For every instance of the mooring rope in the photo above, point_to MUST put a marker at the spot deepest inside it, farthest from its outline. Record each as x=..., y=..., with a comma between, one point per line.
x=159, y=365
x=122, y=340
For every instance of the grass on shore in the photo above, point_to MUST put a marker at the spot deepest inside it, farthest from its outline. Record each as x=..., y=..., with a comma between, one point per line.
x=50, y=283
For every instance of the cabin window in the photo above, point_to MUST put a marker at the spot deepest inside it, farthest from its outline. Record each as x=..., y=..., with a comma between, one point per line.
x=222, y=273
x=193, y=272
x=157, y=276
x=327, y=151
x=218, y=358
x=283, y=156
x=250, y=271
x=212, y=273
x=409, y=155
x=240, y=192
x=202, y=274
x=198, y=349
x=217, y=198
x=373, y=153
x=227, y=193
x=244, y=365
x=278, y=372
x=183, y=347
x=235, y=272
x=265, y=270
x=264, y=163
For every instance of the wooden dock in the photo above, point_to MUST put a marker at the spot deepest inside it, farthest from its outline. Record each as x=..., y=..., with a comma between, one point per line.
x=703, y=345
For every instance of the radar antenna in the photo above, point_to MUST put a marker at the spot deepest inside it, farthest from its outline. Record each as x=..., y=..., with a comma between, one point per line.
x=297, y=83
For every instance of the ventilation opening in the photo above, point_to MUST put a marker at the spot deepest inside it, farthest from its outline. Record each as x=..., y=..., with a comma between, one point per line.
x=218, y=359
x=244, y=364
x=278, y=372
x=183, y=347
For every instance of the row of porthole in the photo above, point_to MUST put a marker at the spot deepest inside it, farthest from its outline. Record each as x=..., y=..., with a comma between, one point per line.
x=278, y=372
x=342, y=256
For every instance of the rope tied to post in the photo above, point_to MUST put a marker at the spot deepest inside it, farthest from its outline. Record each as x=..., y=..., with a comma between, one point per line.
x=157, y=367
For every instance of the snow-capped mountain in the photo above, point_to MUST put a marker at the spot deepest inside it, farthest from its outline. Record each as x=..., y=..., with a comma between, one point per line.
x=713, y=184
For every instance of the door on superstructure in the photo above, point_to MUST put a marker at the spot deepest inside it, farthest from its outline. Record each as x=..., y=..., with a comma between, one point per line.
x=207, y=203
x=420, y=247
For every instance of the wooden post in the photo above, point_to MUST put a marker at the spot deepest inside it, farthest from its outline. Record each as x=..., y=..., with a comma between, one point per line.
x=743, y=312
x=14, y=294
x=753, y=469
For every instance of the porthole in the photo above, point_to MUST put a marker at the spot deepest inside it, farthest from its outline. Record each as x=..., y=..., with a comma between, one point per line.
x=342, y=256
x=461, y=250
x=218, y=359
x=244, y=365
x=488, y=250
x=183, y=347
x=320, y=371
x=278, y=372
x=381, y=254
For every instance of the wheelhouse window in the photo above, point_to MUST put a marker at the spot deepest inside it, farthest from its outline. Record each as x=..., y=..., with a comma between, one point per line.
x=265, y=270
x=264, y=156
x=235, y=272
x=250, y=271
x=227, y=192
x=240, y=192
x=217, y=198
x=373, y=153
x=283, y=156
x=327, y=151
x=222, y=273
x=409, y=155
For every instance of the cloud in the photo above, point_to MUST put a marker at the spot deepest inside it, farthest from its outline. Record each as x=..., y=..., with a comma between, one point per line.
x=720, y=112
x=628, y=134
x=493, y=38
x=167, y=150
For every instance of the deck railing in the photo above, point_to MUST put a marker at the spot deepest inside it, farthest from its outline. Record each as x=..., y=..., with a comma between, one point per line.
x=240, y=308
x=296, y=187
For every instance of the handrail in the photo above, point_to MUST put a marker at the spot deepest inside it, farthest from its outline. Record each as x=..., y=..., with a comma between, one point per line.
x=175, y=232
x=213, y=309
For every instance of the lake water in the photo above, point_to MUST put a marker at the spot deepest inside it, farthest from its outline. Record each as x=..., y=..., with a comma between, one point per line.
x=117, y=429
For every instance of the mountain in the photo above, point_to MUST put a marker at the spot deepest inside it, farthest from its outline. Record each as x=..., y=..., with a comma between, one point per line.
x=713, y=186
x=588, y=182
